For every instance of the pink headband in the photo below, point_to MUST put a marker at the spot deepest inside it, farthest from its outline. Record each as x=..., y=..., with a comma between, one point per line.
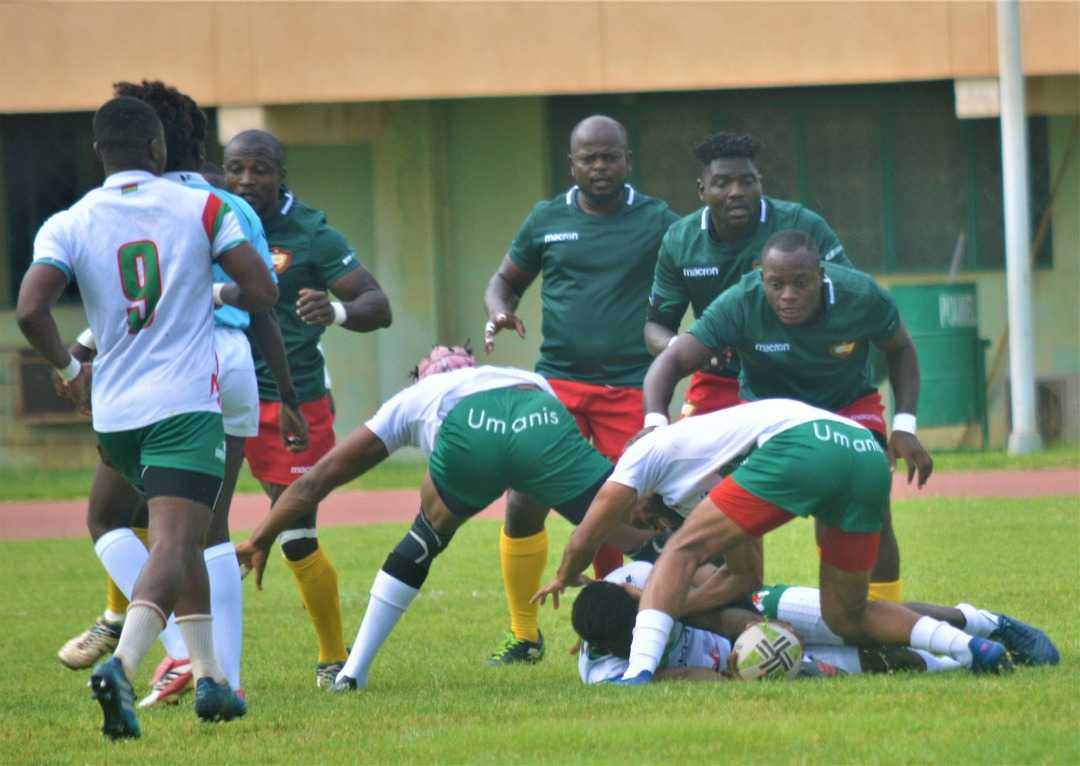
x=444, y=359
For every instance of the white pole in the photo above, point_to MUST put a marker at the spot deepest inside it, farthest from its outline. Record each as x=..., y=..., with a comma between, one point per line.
x=1024, y=437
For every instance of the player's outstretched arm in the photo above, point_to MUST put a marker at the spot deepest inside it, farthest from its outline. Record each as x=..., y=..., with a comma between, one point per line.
x=501, y=299
x=41, y=288
x=253, y=289
x=678, y=360
x=903, y=364
x=361, y=451
x=610, y=507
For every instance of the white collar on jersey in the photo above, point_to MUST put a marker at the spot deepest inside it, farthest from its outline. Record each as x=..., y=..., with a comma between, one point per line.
x=186, y=177
x=289, y=200
x=125, y=177
x=705, y=215
x=829, y=289
x=629, y=194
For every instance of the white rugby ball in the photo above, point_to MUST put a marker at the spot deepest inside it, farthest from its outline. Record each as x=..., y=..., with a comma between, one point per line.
x=766, y=650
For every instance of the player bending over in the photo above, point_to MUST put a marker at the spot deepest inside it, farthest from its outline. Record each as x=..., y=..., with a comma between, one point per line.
x=485, y=430
x=797, y=460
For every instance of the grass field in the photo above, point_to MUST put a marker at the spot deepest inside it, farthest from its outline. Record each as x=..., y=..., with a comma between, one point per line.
x=431, y=701
x=72, y=483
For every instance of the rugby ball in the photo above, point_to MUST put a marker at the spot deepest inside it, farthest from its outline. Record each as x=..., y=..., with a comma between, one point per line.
x=765, y=650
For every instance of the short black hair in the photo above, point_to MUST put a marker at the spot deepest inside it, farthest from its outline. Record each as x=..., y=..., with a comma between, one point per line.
x=184, y=122
x=261, y=141
x=790, y=240
x=723, y=145
x=604, y=615
x=125, y=124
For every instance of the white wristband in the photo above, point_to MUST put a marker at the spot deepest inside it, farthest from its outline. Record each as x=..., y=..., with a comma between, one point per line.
x=86, y=339
x=339, y=312
x=903, y=421
x=654, y=419
x=69, y=373
x=218, y=287
x=671, y=341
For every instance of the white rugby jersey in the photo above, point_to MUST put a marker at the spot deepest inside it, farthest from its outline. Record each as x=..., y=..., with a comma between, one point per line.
x=682, y=462
x=412, y=417
x=141, y=249
x=686, y=648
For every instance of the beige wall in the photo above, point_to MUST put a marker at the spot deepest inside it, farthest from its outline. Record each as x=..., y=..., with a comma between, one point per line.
x=62, y=56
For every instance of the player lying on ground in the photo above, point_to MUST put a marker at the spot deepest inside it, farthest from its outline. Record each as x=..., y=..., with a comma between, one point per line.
x=141, y=249
x=116, y=514
x=699, y=646
x=797, y=460
x=485, y=430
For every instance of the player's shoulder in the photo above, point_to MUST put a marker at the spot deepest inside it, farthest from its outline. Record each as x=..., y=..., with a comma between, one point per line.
x=793, y=215
x=687, y=228
x=850, y=285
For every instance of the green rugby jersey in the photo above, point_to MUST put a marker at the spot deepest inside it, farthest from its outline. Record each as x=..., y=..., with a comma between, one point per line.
x=823, y=362
x=693, y=268
x=306, y=253
x=596, y=272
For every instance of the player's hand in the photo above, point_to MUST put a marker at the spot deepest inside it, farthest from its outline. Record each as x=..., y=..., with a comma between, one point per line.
x=501, y=321
x=252, y=558
x=313, y=307
x=77, y=390
x=907, y=446
x=556, y=587
x=293, y=429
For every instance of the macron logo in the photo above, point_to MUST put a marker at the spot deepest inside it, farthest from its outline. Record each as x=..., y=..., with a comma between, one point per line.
x=562, y=236
x=772, y=348
x=702, y=271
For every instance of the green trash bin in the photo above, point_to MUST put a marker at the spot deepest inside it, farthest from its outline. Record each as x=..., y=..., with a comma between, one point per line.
x=943, y=320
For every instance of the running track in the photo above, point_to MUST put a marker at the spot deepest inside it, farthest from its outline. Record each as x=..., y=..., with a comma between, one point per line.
x=66, y=518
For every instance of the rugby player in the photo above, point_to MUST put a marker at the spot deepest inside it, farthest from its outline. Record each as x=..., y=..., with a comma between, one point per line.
x=596, y=247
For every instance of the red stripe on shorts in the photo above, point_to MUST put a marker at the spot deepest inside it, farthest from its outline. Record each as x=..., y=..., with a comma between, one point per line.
x=868, y=412
x=749, y=512
x=849, y=551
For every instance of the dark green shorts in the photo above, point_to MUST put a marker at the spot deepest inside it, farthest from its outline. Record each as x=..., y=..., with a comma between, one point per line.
x=512, y=438
x=833, y=471
x=193, y=441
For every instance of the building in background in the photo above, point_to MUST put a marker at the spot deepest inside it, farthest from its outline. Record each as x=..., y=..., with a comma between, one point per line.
x=427, y=130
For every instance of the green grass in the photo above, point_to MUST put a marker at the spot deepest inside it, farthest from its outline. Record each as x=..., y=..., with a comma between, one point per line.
x=74, y=483
x=431, y=702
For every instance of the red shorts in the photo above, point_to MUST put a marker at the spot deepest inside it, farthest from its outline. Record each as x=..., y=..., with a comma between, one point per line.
x=608, y=416
x=267, y=456
x=847, y=551
x=868, y=412
x=709, y=393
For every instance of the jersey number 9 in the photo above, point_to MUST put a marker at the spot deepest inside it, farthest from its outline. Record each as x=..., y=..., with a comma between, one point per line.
x=140, y=276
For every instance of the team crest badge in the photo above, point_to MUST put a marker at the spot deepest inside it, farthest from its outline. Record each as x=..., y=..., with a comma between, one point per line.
x=843, y=349
x=281, y=258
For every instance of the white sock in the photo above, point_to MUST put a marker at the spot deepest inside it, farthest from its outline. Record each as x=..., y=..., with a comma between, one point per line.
x=844, y=657
x=390, y=597
x=198, y=631
x=123, y=555
x=141, y=627
x=651, y=631
x=935, y=664
x=979, y=621
x=227, y=607
x=940, y=637
x=802, y=608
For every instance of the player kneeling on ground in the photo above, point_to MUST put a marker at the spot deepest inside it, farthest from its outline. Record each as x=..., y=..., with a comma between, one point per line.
x=796, y=460
x=485, y=430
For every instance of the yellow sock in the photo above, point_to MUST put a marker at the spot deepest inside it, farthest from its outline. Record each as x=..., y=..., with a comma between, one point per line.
x=115, y=600
x=523, y=560
x=885, y=591
x=317, y=580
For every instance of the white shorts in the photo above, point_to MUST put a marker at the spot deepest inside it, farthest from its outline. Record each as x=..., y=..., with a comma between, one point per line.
x=236, y=380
